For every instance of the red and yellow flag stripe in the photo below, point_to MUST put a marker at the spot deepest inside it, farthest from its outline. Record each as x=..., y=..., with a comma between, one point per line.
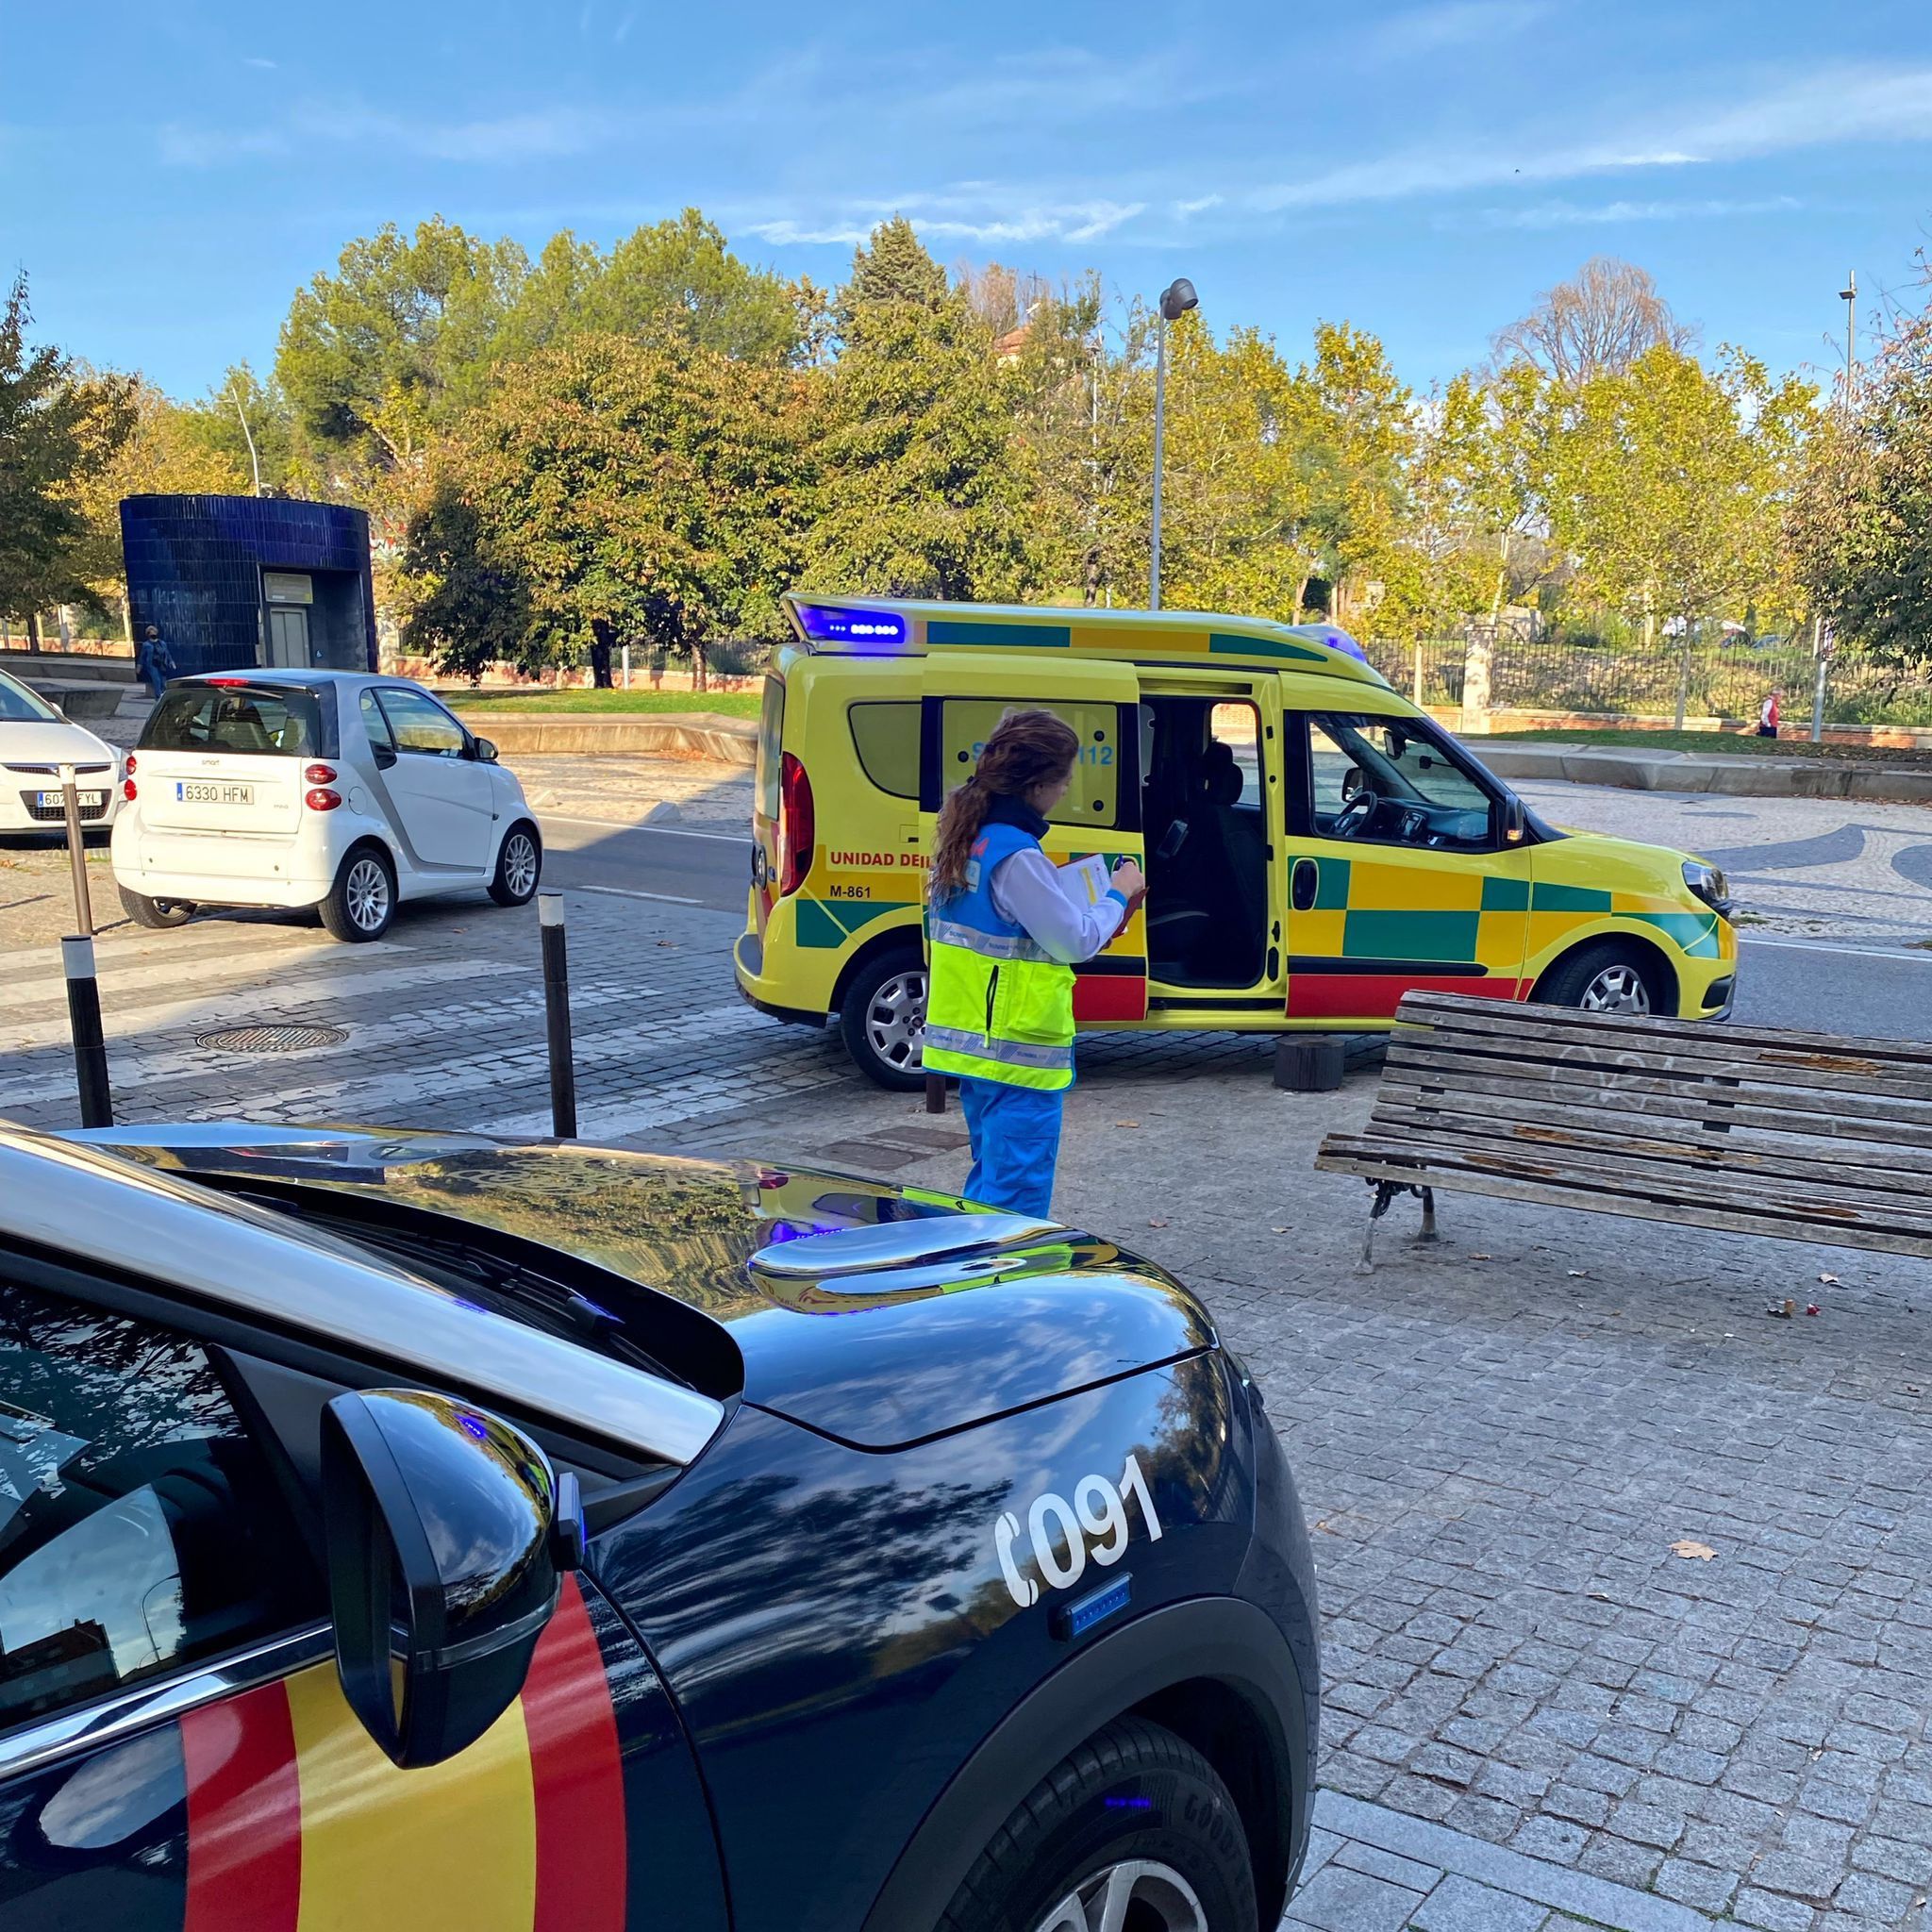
x=297, y=1822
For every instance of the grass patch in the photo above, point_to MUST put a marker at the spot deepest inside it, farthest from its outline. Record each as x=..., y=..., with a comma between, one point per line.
x=730, y=704
x=1724, y=744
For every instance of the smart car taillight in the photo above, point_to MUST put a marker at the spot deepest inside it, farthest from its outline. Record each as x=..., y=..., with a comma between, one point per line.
x=322, y=799
x=319, y=774
x=127, y=789
x=129, y=767
x=798, y=828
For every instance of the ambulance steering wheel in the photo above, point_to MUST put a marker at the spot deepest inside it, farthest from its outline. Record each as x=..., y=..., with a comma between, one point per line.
x=1356, y=813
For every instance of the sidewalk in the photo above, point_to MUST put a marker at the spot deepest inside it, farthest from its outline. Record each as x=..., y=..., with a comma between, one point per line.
x=1740, y=776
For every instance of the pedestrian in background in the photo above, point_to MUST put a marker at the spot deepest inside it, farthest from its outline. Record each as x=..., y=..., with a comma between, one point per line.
x=1767, y=716
x=153, y=663
x=656, y=669
x=1007, y=929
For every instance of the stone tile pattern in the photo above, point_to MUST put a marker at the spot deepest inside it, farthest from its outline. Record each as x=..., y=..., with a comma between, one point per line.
x=1494, y=1459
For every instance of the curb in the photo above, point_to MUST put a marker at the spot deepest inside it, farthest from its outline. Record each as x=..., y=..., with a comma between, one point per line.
x=732, y=740
x=1680, y=771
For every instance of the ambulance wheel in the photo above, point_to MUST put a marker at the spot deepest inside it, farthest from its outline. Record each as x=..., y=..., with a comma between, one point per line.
x=882, y=1018
x=1134, y=1828
x=1603, y=978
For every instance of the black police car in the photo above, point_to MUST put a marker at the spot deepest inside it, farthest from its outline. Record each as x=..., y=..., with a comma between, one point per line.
x=421, y=1531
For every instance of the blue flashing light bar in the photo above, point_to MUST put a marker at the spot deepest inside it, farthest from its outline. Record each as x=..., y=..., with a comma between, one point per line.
x=1076, y=1619
x=845, y=623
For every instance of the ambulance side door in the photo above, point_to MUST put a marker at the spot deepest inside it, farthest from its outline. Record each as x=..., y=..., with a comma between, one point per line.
x=964, y=695
x=175, y=1750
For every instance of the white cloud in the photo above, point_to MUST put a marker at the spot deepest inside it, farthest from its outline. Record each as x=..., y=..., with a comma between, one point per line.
x=954, y=219
x=1828, y=108
x=508, y=138
x=1569, y=214
x=257, y=61
x=1424, y=30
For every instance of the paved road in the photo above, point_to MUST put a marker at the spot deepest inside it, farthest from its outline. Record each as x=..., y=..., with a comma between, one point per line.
x=1840, y=985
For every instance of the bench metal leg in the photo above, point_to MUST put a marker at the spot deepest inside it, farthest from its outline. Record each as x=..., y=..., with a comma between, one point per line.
x=1385, y=1192
x=1428, y=1232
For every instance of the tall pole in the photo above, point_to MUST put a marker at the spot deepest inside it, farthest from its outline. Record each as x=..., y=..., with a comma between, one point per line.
x=1159, y=443
x=1849, y=296
x=248, y=436
x=1175, y=300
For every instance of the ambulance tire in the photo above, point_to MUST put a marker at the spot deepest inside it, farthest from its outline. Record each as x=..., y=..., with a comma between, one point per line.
x=882, y=1015
x=1135, y=1810
x=1607, y=977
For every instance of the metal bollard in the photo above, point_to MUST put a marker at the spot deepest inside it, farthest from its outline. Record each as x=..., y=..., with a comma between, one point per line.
x=76, y=857
x=563, y=1072
x=89, y=1044
x=935, y=1093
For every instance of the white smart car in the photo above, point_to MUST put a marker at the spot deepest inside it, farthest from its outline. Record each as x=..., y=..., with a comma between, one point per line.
x=36, y=739
x=328, y=789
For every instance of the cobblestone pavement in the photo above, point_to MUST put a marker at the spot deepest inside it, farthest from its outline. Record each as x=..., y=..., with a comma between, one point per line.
x=1498, y=1438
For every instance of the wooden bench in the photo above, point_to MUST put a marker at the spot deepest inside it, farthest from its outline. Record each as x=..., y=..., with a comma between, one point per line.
x=1806, y=1137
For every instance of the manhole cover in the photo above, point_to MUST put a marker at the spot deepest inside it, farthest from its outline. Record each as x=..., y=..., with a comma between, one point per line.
x=272, y=1039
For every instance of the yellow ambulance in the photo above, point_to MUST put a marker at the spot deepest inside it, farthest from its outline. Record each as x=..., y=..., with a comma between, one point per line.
x=1315, y=845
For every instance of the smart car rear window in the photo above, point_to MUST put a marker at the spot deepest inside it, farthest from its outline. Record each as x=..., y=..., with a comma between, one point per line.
x=251, y=720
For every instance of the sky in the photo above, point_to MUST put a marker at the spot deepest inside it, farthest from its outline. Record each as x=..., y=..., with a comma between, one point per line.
x=172, y=170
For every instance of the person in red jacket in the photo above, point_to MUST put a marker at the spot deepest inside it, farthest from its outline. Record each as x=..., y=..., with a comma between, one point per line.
x=1767, y=716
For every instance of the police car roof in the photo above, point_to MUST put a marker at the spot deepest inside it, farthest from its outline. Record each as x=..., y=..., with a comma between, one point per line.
x=894, y=626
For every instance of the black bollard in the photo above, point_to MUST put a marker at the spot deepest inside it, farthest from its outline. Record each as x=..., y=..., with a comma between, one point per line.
x=935, y=1093
x=563, y=1073
x=89, y=1045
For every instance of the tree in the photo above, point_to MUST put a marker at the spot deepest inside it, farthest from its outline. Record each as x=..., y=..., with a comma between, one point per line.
x=1668, y=483
x=680, y=276
x=53, y=419
x=926, y=490
x=381, y=354
x=1599, y=325
x=608, y=492
x=1861, y=527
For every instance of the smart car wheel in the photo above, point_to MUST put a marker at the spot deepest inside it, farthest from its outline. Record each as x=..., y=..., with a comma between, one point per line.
x=363, y=899
x=1134, y=1830
x=157, y=913
x=882, y=1017
x=1606, y=978
x=519, y=864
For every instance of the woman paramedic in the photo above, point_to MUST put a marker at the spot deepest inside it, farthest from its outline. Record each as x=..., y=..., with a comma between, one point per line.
x=1005, y=933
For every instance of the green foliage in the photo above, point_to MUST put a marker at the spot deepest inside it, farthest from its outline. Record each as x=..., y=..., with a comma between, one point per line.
x=924, y=487
x=608, y=491
x=1861, y=527
x=55, y=423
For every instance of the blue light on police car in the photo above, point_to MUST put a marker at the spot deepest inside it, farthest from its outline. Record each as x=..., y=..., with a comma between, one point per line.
x=844, y=624
x=1076, y=1619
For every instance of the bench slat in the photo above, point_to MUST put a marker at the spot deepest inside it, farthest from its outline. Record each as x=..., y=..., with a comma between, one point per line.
x=1375, y=1161
x=1452, y=1069
x=1686, y=1124
x=1877, y=1187
x=1573, y=1060
x=1446, y=1010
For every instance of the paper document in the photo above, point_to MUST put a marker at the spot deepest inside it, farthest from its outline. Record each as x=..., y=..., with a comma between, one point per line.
x=1088, y=879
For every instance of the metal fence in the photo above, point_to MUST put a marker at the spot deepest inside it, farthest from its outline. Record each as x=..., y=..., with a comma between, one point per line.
x=1728, y=681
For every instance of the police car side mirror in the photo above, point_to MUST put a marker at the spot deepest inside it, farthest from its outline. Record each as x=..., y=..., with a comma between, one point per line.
x=445, y=1531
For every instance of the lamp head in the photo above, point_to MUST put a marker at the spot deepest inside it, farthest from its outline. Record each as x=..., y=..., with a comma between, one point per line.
x=1177, y=298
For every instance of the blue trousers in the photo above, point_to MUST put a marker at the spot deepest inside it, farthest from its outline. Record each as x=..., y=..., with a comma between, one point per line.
x=1016, y=1142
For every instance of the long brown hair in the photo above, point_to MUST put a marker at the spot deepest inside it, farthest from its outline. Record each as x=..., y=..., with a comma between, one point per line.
x=1027, y=748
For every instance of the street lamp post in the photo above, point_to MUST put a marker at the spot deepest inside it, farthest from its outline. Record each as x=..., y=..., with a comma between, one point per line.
x=1175, y=300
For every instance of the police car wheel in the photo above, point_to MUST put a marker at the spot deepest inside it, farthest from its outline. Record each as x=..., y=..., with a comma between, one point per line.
x=1133, y=1829
x=882, y=1017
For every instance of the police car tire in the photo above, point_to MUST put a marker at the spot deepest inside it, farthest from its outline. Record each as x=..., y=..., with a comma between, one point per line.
x=855, y=1010
x=157, y=914
x=1067, y=1829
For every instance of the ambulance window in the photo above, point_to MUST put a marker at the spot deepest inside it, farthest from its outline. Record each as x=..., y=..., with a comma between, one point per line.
x=886, y=736
x=127, y=1487
x=1092, y=799
x=771, y=747
x=1394, y=781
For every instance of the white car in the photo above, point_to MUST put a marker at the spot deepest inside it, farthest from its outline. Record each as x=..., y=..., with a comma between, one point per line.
x=328, y=788
x=36, y=739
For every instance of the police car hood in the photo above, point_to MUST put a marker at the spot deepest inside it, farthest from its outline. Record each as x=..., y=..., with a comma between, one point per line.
x=876, y=1314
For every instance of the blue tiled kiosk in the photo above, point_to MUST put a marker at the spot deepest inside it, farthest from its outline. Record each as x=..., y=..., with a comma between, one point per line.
x=235, y=581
